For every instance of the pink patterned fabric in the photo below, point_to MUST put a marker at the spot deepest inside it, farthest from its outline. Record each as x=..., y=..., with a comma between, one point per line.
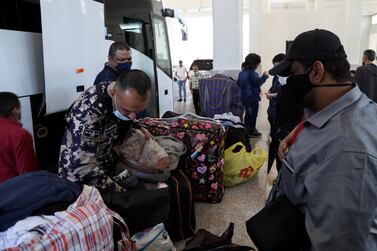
x=87, y=224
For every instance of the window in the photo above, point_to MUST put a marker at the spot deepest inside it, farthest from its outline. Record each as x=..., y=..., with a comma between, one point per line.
x=162, y=45
x=20, y=15
x=134, y=32
x=374, y=19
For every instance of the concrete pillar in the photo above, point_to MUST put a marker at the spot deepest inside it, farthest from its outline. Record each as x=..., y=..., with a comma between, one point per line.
x=319, y=5
x=255, y=14
x=353, y=30
x=227, y=34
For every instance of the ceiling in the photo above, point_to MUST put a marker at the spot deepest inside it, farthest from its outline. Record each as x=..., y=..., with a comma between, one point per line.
x=369, y=6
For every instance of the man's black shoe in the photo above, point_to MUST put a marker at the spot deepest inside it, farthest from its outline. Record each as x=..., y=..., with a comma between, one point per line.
x=179, y=100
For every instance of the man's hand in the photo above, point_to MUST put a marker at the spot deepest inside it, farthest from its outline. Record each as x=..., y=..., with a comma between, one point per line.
x=265, y=74
x=283, y=148
x=268, y=95
x=147, y=134
x=285, y=144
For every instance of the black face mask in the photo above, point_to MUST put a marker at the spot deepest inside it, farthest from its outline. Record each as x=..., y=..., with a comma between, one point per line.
x=299, y=85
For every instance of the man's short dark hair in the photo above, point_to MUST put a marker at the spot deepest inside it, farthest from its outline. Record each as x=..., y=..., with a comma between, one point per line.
x=8, y=101
x=134, y=79
x=278, y=58
x=252, y=61
x=370, y=54
x=339, y=69
x=118, y=45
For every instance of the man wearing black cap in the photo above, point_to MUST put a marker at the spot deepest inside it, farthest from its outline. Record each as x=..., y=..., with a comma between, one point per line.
x=330, y=170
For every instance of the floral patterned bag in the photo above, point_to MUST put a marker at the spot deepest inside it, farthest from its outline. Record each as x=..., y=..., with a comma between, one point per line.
x=204, y=139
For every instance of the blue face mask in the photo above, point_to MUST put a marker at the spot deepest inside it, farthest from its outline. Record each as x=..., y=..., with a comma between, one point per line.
x=118, y=114
x=121, y=116
x=124, y=67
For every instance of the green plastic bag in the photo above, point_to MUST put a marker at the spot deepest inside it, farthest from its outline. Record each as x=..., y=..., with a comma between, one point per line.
x=240, y=165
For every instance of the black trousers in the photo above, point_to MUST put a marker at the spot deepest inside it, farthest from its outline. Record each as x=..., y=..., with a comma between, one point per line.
x=196, y=100
x=274, y=147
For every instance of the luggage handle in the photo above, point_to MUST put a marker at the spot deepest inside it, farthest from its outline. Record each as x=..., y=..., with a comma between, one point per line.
x=237, y=148
x=187, y=114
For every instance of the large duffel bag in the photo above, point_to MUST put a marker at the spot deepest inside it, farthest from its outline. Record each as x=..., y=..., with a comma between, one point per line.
x=204, y=139
x=172, y=205
x=182, y=221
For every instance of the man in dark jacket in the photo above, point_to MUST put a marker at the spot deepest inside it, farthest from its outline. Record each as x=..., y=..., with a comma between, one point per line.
x=119, y=60
x=366, y=75
x=272, y=93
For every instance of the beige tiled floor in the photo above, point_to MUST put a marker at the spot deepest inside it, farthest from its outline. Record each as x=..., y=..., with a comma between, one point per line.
x=241, y=202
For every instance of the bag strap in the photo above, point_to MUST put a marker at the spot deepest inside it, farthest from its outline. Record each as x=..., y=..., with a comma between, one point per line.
x=297, y=131
x=126, y=244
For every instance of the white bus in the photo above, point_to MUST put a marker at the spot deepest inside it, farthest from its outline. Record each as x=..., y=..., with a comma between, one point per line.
x=52, y=50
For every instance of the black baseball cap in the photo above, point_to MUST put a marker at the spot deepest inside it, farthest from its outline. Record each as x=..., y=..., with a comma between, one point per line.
x=310, y=46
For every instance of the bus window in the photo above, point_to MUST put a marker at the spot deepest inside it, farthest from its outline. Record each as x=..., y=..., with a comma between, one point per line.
x=134, y=32
x=162, y=45
x=20, y=15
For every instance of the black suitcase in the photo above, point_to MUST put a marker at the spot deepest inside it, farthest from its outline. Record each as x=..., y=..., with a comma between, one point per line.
x=142, y=209
x=182, y=223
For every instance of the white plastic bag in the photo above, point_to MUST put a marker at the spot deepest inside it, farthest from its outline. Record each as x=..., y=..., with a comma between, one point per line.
x=153, y=239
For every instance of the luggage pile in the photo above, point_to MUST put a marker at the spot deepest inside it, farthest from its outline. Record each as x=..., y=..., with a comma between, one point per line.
x=204, y=140
x=163, y=175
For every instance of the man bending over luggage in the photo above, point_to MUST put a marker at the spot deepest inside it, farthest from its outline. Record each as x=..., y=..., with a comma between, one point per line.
x=100, y=116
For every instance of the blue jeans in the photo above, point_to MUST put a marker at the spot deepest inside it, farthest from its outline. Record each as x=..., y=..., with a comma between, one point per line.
x=251, y=113
x=181, y=88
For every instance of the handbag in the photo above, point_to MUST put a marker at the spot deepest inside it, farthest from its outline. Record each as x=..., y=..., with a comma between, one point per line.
x=278, y=226
x=153, y=239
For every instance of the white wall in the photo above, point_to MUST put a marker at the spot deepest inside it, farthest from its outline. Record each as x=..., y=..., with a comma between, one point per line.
x=278, y=27
x=200, y=38
x=365, y=38
x=227, y=34
x=372, y=44
x=199, y=43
